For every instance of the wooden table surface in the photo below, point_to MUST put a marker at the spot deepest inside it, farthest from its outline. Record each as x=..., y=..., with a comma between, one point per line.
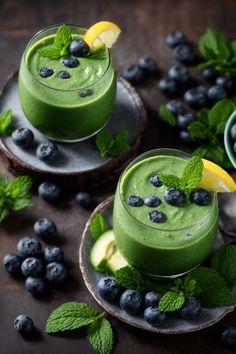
x=145, y=25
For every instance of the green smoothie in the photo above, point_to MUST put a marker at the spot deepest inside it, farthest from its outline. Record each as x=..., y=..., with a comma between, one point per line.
x=69, y=109
x=172, y=247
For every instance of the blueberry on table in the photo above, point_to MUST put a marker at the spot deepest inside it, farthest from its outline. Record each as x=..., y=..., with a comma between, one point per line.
x=133, y=74
x=168, y=87
x=157, y=216
x=185, y=137
x=184, y=54
x=45, y=228
x=56, y=273
x=70, y=62
x=79, y=48
x=183, y=120
x=228, y=336
x=11, y=263
x=233, y=132
x=109, y=289
x=23, y=324
x=209, y=73
x=179, y=74
x=174, y=196
x=23, y=137
x=148, y=65
x=152, y=298
x=155, y=181
x=131, y=301
x=200, y=197
x=191, y=309
x=135, y=201
x=154, y=316
x=176, y=107
x=49, y=191
x=63, y=75
x=84, y=199
x=46, y=72
x=85, y=93
x=175, y=38
x=152, y=201
x=53, y=254
x=216, y=93
x=29, y=247
x=47, y=152
x=227, y=82
x=196, y=97
x=35, y=285
x=31, y=266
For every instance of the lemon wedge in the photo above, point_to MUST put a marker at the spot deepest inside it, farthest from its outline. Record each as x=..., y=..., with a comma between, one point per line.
x=216, y=178
x=101, y=33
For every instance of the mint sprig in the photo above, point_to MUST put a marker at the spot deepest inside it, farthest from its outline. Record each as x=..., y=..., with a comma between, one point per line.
x=172, y=301
x=109, y=145
x=224, y=262
x=98, y=226
x=5, y=122
x=100, y=336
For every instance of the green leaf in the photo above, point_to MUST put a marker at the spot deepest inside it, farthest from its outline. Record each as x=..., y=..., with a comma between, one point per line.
x=170, y=180
x=171, y=301
x=109, y=146
x=4, y=212
x=63, y=37
x=192, y=174
x=190, y=287
x=70, y=315
x=20, y=192
x=166, y=115
x=122, y=135
x=233, y=47
x=128, y=277
x=198, y=130
x=51, y=53
x=118, y=148
x=4, y=181
x=212, y=45
x=98, y=226
x=100, y=336
x=203, y=115
x=200, y=151
x=224, y=262
x=104, y=142
x=5, y=122
x=219, y=114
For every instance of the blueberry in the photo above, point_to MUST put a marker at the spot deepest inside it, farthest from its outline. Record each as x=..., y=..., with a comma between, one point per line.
x=79, y=48
x=228, y=336
x=152, y=298
x=226, y=82
x=45, y=229
x=23, y=137
x=35, y=285
x=47, y=152
x=131, y=301
x=200, y=197
x=157, y=216
x=233, y=132
x=148, y=65
x=23, y=324
x=31, y=266
x=109, y=289
x=185, y=137
x=46, y=72
x=196, y=97
x=154, y=316
x=135, y=201
x=63, y=75
x=49, y=191
x=133, y=74
x=11, y=263
x=152, y=201
x=202, y=88
x=167, y=87
x=184, y=54
x=216, y=93
x=53, y=254
x=29, y=247
x=84, y=199
x=175, y=38
x=191, y=309
x=179, y=74
x=56, y=273
x=85, y=93
x=70, y=62
x=155, y=181
x=209, y=73
x=184, y=120
x=176, y=107
x=174, y=196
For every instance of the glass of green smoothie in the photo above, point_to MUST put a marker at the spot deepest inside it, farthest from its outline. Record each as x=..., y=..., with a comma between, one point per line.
x=66, y=100
x=155, y=237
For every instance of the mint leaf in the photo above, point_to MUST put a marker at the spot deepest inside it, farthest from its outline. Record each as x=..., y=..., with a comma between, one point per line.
x=51, y=53
x=192, y=174
x=212, y=45
x=224, y=262
x=119, y=147
x=198, y=130
x=233, y=47
x=112, y=146
x=203, y=115
x=5, y=122
x=104, y=141
x=219, y=114
x=20, y=192
x=3, y=181
x=4, y=212
x=166, y=115
x=128, y=277
x=63, y=37
x=100, y=336
x=98, y=226
x=170, y=180
x=172, y=301
x=190, y=287
x=70, y=315
x=200, y=151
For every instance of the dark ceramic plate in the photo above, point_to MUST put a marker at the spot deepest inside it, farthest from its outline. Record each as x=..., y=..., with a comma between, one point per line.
x=173, y=324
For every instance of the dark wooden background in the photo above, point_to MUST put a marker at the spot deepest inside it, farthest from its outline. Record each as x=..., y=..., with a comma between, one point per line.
x=145, y=25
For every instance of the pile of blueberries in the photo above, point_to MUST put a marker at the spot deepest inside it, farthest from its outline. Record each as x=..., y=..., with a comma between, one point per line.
x=178, y=82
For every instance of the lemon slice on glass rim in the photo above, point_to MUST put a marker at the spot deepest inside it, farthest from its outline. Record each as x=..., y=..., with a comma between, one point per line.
x=216, y=178
x=101, y=33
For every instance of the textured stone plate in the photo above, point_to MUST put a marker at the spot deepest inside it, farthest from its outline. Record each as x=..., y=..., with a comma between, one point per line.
x=76, y=159
x=173, y=324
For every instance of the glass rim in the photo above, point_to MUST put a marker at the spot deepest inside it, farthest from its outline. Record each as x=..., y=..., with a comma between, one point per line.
x=151, y=226
x=54, y=88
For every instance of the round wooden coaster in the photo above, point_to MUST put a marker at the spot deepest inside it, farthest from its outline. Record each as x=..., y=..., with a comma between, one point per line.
x=79, y=164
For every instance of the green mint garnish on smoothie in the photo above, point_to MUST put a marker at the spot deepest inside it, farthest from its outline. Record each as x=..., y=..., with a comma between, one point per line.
x=109, y=145
x=74, y=315
x=98, y=226
x=5, y=122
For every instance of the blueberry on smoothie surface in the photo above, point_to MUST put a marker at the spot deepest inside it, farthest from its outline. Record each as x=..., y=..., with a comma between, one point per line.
x=46, y=72
x=152, y=201
x=155, y=180
x=85, y=93
x=174, y=196
x=70, y=62
x=23, y=137
x=79, y=48
x=157, y=217
x=200, y=197
x=135, y=201
x=63, y=75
